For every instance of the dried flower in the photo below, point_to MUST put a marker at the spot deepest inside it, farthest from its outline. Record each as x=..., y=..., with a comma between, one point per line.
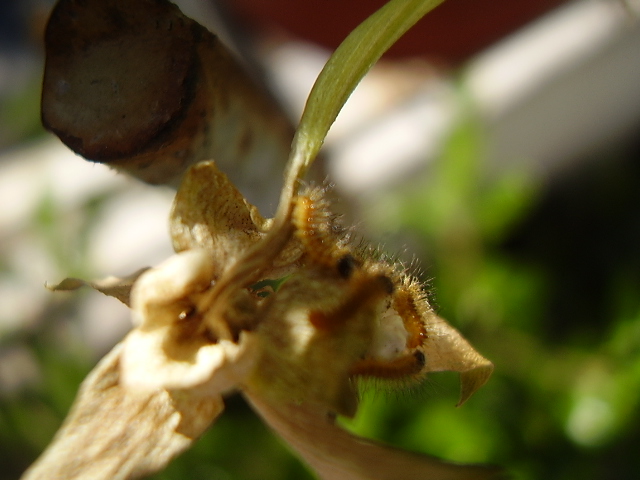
x=296, y=353
x=290, y=312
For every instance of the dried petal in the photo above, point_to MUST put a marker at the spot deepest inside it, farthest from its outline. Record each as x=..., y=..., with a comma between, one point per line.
x=446, y=350
x=209, y=212
x=174, y=346
x=119, y=288
x=153, y=360
x=162, y=293
x=115, y=433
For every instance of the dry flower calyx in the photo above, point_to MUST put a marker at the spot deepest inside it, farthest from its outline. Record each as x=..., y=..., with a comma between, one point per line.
x=203, y=330
x=288, y=311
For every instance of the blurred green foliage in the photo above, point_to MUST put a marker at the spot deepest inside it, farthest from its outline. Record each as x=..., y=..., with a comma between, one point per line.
x=20, y=114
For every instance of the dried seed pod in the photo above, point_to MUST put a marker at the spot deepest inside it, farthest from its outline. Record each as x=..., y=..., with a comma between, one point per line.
x=358, y=316
x=141, y=87
x=313, y=329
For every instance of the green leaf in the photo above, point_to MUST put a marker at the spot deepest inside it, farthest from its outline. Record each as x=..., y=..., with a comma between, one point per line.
x=339, y=77
x=344, y=70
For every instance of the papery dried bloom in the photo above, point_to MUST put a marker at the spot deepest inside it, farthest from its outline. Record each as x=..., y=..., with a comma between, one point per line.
x=296, y=354
x=205, y=325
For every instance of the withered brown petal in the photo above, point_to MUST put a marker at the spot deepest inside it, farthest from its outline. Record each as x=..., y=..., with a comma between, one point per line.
x=447, y=350
x=338, y=455
x=119, y=288
x=112, y=433
x=136, y=84
x=209, y=212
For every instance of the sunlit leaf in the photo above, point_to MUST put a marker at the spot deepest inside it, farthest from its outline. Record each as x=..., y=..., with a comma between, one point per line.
x=344, y=70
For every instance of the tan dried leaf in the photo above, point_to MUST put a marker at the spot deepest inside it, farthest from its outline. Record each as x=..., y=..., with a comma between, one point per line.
x=113, y=433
